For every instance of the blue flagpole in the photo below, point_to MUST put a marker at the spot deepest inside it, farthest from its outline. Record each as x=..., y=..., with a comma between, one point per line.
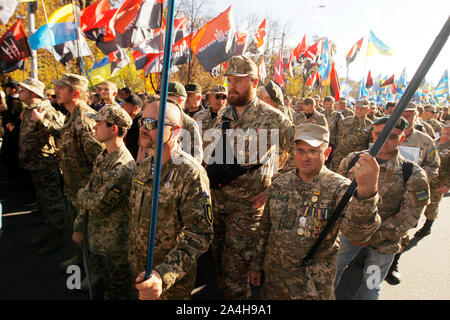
x=159, y=143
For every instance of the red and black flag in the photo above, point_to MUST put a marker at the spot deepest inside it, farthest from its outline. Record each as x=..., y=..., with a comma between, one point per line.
x=351, y=55
x=300, y=48
x=369, y=82
x=215, y=42
x=14, y=48
x=334, y=83
x=388, y=81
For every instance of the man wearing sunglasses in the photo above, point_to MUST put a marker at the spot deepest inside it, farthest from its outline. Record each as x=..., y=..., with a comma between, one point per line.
x=217, y=101
x=404, y=198
x=184, y=228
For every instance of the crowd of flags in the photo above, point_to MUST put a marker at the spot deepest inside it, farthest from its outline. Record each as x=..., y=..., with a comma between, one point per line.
x=138, y=25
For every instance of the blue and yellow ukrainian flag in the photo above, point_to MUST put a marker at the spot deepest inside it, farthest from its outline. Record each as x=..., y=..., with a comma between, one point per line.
x=376, y=46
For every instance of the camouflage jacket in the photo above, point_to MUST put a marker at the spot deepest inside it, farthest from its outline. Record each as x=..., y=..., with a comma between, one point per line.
x=204, y=120
x=436, y=125
x=104, y=202
x=184, y=227
x=78, y=148
x=353, y=135
x=426, y=128
x=195, y=140
x=317, y=118
x=334, y=120
x=37, y=149
x=444, y=170
x=266, y=133
x=347, y=113
x=428, y=156
x=294, y=215
x=401, y=203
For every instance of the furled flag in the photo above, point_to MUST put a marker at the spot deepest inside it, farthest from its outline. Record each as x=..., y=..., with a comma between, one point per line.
x=300, y=48
x=334, y=83
x=388, y=81
x=14, y=48
x=288, y=65
x=132, y=23
x=262, y=71
x=108, y=66
x=241, y=42
x=278, y=75
x=369, y=82
x=258, y=44
x=441, y=90
x=7, y=8
x=61, y=28
x=401, y=83
x=376, y=46
x=351, y=55
x=325, y=66
x=215, y=42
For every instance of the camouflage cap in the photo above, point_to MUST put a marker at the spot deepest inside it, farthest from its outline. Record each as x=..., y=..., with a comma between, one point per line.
x=114, y=115
x=193, y=87
x=430, y=108
x=402, y=123
x=411, y=107
x=218, y=88
x=242, y=66
x=275, y=92
x=34, y=86
x=72, y=80
x=362, y=103
x=177, y=88
x=313, y=134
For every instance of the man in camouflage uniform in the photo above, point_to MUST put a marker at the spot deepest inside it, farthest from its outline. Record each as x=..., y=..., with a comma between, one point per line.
x=193, y=99
x=191, y=135
x=310, y=114
x=354, y=134
x=299, y=205
x=271, y=94
x=403, y=201
x=341, y=107
x=372, y=111
x=334, y=120
x=103, y=218
x=428, y=117
x=428, y=160
x=37, y=154
x=78, y=146
x=184, y=228
x=421, y=125
x=236, y=218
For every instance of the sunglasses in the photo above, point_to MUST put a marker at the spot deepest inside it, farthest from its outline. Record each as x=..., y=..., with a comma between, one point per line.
x=220, y=96
x=150, y=123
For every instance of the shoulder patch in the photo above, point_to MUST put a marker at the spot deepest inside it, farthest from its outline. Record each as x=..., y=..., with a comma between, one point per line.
x=209, y=215
x=112, y=197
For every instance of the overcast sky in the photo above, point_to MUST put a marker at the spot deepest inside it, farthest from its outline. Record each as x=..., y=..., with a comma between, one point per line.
x=407, y=26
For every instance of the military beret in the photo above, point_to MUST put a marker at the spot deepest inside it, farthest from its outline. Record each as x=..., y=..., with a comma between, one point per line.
x=112, y=114
x=193, y=87
x=312, y=133
x=242, y=66
x=72, y=80
x=177, y=88
x=402, y=123
x=274, y=92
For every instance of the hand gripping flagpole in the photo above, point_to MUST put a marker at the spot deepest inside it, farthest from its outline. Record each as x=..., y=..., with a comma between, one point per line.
x=420, y=74
x=159, y=143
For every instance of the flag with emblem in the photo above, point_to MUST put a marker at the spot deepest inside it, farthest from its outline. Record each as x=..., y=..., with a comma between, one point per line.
x=14, y=48
x=300, y=49
x=351, y=55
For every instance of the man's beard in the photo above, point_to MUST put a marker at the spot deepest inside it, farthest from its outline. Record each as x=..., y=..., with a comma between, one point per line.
x=238, y=100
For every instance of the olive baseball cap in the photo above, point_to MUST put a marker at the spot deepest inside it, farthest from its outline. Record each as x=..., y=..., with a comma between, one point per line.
x=363, y=103
x=402, y=123
x=114, y=115
x=34, y=86
x=218, y=88
x=313, y=134
x=177, y=88
x=193, y=87
x=242, y=66
x=72, y=80
x=274, y=92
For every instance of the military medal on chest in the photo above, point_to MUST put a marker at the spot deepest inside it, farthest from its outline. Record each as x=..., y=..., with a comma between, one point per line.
x=170, y=178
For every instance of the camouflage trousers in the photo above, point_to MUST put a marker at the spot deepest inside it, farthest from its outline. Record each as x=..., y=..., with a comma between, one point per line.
x=315, y=282
x=49, y=193
x=115, y=272
x=432, y=209
x=233, y=246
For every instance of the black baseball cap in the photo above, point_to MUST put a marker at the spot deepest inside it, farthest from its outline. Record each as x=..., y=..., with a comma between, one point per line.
x=134, y=100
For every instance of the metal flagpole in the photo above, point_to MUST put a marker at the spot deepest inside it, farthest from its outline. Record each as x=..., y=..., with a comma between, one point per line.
x=50, y=38
x=159, y=143
x=77, y=42
x=420, y=74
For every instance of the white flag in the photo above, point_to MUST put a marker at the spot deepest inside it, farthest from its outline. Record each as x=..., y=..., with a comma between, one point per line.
x=7, y=8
